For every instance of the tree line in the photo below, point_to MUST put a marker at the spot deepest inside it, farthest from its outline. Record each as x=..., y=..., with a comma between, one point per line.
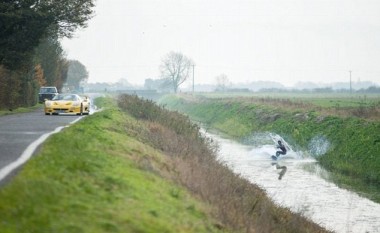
x=30, y=51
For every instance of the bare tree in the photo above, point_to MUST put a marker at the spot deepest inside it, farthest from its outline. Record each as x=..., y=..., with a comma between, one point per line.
x=222, y=81
x=176, y=68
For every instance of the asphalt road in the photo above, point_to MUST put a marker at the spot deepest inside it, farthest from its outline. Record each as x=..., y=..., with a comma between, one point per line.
x=21, y=134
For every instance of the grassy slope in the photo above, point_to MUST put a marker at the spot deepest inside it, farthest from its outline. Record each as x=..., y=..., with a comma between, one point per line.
x=89, y=178
x=354, y=153
x=20, y=110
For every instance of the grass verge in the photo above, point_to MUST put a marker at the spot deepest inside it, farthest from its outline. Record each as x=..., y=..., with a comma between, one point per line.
x=19, y=110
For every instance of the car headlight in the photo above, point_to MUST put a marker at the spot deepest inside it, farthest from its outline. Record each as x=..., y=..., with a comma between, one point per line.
x=76, y=104
x=47, y=103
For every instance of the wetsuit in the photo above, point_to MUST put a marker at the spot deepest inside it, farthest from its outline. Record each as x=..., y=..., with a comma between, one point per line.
x=282, y=148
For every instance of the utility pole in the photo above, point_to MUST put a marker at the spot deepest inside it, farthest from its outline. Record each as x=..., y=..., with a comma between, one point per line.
x=350, y=83
x=193, y=78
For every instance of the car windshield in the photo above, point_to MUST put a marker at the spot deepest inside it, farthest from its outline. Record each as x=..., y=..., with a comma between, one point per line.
x=48, y=90
x=66, y=97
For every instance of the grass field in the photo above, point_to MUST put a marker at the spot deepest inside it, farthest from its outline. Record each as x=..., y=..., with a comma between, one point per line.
x=366, y=106
x=317, y=99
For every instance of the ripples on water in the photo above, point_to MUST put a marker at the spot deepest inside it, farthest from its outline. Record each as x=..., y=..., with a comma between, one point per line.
x=303, y=188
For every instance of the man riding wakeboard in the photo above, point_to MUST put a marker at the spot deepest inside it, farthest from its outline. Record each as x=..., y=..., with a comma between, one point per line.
x=282, y=150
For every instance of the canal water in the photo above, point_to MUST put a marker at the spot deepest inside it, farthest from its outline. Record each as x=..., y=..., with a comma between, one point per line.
x=296, y=181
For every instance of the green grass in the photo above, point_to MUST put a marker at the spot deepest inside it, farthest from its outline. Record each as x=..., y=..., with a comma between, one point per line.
x=323, y=100
x=92, y=178
x=4, y=112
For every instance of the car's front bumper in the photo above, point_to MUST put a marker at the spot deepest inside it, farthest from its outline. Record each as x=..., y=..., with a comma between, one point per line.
x=59, y=110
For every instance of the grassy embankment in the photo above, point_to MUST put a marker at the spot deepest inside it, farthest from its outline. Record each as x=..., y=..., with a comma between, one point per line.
x=355, y=142
x=142, y=171
x=4, y=112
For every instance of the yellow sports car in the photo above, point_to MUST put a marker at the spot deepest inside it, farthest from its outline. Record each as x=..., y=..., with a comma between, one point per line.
x=67, y=103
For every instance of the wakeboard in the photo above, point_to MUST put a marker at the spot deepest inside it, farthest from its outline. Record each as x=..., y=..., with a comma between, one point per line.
x=274, y=157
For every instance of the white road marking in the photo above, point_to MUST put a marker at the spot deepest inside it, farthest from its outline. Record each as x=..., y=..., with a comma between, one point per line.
x=28, y=152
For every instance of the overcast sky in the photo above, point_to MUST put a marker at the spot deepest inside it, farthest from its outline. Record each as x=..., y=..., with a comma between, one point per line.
x=248, y=40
